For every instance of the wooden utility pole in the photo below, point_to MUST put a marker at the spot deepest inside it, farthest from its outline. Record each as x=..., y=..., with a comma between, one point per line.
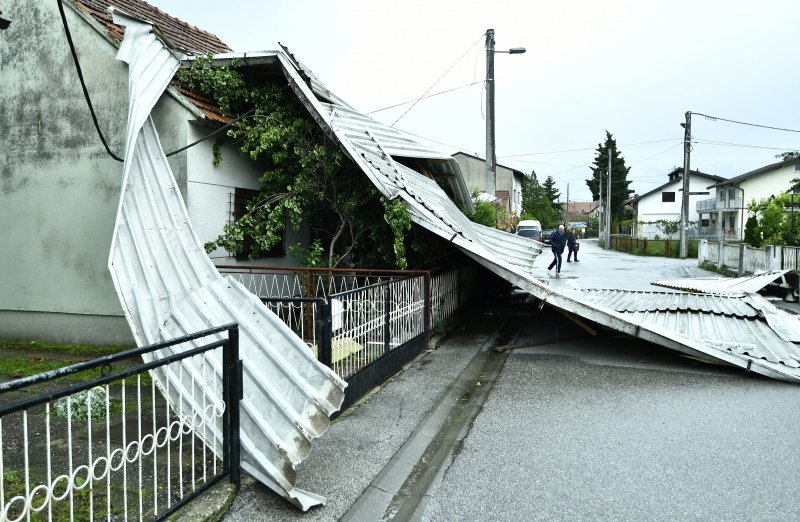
x=608, y=205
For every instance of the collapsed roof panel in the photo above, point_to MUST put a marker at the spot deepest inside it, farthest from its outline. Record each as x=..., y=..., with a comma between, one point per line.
x=430, y=208
x=168, y=287
x=725, y=285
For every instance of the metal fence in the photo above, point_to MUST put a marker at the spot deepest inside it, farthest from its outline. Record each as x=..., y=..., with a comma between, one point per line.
x=103, y=438
x=363, y=324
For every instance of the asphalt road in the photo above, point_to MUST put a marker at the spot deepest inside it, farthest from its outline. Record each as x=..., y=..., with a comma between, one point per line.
x=619, y=429
x=573, y=428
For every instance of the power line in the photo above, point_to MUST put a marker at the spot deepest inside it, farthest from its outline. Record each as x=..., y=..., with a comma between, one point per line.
x=439, y=79
x=742, y=145
x=424, y=97
x=655, y=155
x=717, y=118
x=582, y=150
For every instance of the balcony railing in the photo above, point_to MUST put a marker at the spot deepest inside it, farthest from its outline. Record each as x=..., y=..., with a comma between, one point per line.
x=712, y=205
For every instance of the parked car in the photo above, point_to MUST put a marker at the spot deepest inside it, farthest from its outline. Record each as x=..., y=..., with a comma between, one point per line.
x=530, y=228
x=546, y=235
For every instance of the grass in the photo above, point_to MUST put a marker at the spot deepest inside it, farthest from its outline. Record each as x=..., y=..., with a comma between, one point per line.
x=23, y=358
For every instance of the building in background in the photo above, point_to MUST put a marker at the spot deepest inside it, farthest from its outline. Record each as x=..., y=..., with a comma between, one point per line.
x=726, y=212
x=508, y=189
x=663, y=203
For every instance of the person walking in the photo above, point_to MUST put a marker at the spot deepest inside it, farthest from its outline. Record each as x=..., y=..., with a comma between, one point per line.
x=558, y=240
x=572, y=246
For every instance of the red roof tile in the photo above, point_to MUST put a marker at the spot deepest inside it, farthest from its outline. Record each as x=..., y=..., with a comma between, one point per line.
x=178, y=34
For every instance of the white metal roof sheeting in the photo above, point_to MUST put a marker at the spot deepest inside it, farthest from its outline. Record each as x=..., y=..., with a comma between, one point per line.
x=724, y=285
x=751, y=338
x=168, y=287
x=639, y=301
x=430, y=208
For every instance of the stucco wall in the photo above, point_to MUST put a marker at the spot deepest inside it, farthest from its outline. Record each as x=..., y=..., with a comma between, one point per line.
x=769, y=183
x=474, y=172
x=58, y=189
x=651, y=208
x=210, y=191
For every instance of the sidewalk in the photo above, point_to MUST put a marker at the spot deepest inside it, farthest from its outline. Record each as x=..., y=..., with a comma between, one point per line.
x=359, y=444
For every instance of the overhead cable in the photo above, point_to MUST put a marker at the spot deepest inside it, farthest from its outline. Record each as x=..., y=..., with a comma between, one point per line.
x=439, y=79
x=717, y=118
x=428, y=96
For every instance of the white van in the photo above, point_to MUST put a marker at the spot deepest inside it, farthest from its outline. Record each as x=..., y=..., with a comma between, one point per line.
x=530, y=228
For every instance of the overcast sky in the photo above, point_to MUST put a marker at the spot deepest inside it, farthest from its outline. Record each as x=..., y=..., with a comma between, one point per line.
x=631, y=67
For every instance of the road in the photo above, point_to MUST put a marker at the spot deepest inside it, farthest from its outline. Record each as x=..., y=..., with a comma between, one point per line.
x=521, y=415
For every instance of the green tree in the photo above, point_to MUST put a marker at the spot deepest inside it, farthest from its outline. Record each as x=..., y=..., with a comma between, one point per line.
x=752, y=232
x=485, y=211
x=620, y=191
x=553, y=194
x=306, y=176
x=536, y=204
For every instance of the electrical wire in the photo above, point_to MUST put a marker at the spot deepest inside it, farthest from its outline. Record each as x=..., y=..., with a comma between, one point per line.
x=741, y=145
x=717, y=118
x=424, y=97
x=438, y=80
x=656, y=155
x=582, y=150
x=83, y=83
x=91, y=107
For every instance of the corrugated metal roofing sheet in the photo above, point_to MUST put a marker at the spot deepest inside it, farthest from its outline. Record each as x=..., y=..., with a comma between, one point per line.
x=430, y=208
x=632, y=301
x=168, y=287
x=724, y=285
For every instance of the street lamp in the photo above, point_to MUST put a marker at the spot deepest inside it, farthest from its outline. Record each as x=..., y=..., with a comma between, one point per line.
x=491, y=166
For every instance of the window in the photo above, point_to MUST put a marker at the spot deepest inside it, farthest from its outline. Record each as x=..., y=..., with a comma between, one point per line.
x=241, y=198
x=668, y=197
x=732, y=193
x=721, y=194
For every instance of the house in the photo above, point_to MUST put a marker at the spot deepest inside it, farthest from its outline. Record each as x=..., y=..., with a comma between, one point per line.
x=726, y=212
x=59, y=189
x=508, y=188
x=579, y=211
x=664, y=203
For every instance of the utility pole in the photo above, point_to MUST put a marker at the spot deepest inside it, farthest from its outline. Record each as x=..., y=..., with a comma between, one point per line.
x=687, y=149
x=601, y=218
x=608, y=199
x=491, y=171
x=566, y=212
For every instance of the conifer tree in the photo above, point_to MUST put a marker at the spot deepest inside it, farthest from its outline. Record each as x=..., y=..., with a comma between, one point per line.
x=619, y=177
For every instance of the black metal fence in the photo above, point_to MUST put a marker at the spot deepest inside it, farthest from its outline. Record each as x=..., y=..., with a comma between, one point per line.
x=106, y=439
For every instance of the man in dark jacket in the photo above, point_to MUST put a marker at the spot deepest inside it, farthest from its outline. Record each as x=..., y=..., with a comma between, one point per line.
x=558, y=240
x=572, y=246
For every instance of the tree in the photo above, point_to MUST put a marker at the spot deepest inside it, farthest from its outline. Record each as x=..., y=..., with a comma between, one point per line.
x=620, y=191
x=553, y=194
x=536, y=204
x=306, y=179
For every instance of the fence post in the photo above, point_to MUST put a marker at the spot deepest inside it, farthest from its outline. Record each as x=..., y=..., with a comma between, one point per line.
x=387, y=303
x=233, y=392
x=720, y=254
x=427, y=305
x=325, y=329
x=742, y=247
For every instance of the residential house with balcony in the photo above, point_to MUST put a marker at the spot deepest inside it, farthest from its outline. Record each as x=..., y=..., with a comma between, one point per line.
x=664, y=202
x=726, y=211
x=508, y=188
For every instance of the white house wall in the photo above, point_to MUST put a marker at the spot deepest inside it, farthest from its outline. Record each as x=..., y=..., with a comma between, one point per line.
x=58, y=187
x=651, y=208
x=768, y=184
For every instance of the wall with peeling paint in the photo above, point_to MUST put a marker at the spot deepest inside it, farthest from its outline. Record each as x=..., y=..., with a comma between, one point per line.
x=58, y=188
